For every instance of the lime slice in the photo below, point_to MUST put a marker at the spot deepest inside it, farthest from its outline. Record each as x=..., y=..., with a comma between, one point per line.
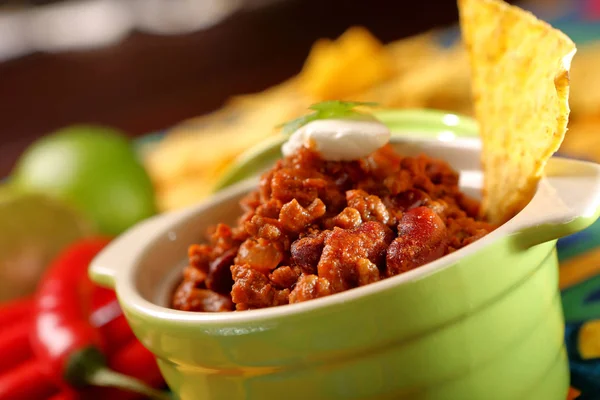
x=254, y=161
x=422, y=123
x=427, y=123
x=33, y=229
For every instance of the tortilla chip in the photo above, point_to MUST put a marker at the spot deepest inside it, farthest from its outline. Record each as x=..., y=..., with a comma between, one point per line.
x=442, y=82
x=411, y=53
x=336, y=70
x=520, y=81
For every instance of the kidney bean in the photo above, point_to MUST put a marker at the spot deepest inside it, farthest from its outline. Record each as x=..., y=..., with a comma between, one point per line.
x=219, y=275
x=306, y=252
x=422, y=238
x=411, y=198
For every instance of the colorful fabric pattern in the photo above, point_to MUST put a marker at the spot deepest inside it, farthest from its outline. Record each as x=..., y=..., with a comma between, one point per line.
x=580, y=286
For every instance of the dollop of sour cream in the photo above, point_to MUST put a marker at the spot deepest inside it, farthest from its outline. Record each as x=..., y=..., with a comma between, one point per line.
x=339, y=139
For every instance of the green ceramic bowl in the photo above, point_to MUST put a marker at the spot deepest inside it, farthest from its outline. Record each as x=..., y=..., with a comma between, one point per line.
x=484, y=322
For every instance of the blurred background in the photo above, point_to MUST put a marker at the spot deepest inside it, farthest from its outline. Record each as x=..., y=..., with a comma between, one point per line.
x=114, y=110
x=144, y=65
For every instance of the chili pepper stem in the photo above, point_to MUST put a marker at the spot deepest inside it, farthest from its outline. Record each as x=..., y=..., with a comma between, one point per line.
x=110, y=378
x=88, y=367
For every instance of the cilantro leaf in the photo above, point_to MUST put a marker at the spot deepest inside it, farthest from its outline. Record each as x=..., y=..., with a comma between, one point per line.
x=324, y=110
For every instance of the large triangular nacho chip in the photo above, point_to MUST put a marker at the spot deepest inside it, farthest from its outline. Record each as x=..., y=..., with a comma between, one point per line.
x=520, y=80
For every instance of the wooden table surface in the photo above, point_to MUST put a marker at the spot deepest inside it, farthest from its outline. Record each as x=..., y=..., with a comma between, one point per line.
x=148, y=82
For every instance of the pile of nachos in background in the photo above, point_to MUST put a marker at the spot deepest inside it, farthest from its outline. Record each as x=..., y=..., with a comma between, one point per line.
x=418, y=72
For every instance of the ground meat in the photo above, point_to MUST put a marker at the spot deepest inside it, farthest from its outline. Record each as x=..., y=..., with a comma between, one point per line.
x=284, y=277
x=345, y=249
x=270, y=209
x=463, y=231
x=189, y=298
x=251, y=201
x=370, y=207
x=252, y=289
x=295, y=218
x=263, y=227
x=310, y=287
x=315, y=228
x=290, y=184
x=194, y=275
x=200, y=256
x=222, y=239
x=349, y=218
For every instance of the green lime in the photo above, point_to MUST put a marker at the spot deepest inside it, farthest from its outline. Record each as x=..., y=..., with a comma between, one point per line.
x=95, y=170
x=33, y=230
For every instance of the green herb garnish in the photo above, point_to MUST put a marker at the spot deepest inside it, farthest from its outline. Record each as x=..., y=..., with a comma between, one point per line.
x=325, y=110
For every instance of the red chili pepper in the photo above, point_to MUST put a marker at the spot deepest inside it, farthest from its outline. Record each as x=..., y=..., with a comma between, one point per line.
x=26, y=382
x=109, y=320
x=102, y=296
x=15, y=311
x=66, y=394
x=107, y=317
x=136, y=360
x=116, y=334
x=88, y=393
x=14, y=345
x=63, y=339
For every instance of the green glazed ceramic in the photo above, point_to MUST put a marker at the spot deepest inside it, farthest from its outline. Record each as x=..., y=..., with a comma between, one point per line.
x=484, y=322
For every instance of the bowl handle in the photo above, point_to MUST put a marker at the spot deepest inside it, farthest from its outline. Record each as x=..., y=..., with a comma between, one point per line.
x=125, y=249
x=567, y=201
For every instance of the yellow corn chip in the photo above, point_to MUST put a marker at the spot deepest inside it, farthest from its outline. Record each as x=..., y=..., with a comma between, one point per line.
x=520, y=80
x=338, y=69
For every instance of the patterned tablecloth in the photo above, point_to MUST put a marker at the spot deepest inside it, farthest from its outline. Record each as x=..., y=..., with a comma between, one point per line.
x=580, y=286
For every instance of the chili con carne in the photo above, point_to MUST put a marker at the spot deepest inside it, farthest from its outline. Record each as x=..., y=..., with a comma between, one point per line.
x=314, y=228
